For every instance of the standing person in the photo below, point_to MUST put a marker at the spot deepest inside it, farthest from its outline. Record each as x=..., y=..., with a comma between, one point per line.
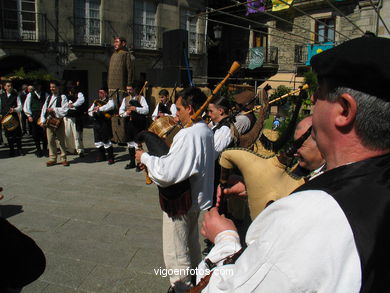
x=23, y=118
x=225, y=133
x=120, y=74
x=134, y=109
x=165, y=107
x=33, y=107
x=245, y=101
x=191, y=155
x=55, y=106
x=11, y=104
x=73, y=120
x=335, y=227
x=101, y=111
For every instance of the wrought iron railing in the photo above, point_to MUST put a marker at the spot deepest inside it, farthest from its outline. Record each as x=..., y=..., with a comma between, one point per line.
x=87, y=31
x=147, y=36
x=196, y=43
x=22, y=25
x=270, y=57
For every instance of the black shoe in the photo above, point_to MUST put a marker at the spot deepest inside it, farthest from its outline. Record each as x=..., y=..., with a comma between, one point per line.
x=81, y=155
x=21, y=152
x=39, y=153
x=101, y=156
x=12, y=153
x=130, y=165
x=171, y=290
x=110, y=155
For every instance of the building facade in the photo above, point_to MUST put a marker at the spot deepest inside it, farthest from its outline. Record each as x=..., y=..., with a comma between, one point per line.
x=72, y=39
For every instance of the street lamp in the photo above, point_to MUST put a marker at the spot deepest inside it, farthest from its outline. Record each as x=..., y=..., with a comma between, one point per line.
x=217, y=32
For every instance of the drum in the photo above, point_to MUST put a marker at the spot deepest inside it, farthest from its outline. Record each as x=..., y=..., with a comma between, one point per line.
x=53, y=122
x=9, y=122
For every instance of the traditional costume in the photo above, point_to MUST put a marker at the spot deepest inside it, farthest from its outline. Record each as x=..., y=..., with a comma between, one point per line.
x=168, y=109
x=33, y=107
x=191, y=156
x=74, y=124
x=60, y=105
x=102, y=129
x=14, y=136
x=135, y=122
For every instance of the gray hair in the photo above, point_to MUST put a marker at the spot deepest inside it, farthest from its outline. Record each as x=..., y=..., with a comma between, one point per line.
x=372, y=122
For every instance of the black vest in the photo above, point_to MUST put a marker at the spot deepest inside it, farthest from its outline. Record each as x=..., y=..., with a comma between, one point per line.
x=362, y=190
x=7, y=103
x=166, y=109
x=37, y=103
x=58, y=102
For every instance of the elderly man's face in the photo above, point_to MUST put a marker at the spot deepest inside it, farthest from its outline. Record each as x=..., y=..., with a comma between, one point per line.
x=308, y=155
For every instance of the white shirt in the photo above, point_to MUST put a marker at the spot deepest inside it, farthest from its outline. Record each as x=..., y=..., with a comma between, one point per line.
x=222, y=138
x=172, y=109
x=27, y=103
x=301, y=243
x=79, y=102
x=243, y=124
x=60, y=112
x=144, y=110
x=191, y=156
x=105, y=108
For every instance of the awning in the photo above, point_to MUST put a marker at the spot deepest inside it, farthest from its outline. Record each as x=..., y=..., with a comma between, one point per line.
x=289, y=80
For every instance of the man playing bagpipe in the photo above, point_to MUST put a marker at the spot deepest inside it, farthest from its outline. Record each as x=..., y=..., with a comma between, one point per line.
x=134, y=108
x=101, y=111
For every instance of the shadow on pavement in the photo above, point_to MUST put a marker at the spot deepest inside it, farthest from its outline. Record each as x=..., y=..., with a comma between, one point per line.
x=9, y=210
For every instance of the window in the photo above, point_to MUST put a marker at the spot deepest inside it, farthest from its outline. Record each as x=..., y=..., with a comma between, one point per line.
x=18, y=18
x=325, y=30
x=189, y=22
x=145, y=30
x=87, y=21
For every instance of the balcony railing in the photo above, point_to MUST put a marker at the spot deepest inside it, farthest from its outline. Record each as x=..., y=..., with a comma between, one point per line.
x=87, y=31
x=270, y=57
x=147, y=36
x=196, y=43
x=22, y=25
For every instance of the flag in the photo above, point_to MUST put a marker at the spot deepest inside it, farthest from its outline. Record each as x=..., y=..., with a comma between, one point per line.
x=278, y=5
x=255, y=7
x=314, y=49
x=256, y=57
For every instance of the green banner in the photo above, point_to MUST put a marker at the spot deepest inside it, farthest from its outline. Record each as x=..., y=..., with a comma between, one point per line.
x=256, y=57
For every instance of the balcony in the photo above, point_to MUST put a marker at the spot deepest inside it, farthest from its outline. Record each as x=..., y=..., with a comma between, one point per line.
x=87, y=31
x=269, y=57
x=196, y=43
x=147, y=37
x=22, y=26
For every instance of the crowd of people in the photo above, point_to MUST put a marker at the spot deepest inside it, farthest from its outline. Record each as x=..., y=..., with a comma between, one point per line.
x=329, y=235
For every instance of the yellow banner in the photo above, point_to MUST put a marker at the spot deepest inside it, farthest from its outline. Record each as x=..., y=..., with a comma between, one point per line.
x=278, y=5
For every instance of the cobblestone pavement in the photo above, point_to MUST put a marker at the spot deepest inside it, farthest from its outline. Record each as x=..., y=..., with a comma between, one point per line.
x=98, y=224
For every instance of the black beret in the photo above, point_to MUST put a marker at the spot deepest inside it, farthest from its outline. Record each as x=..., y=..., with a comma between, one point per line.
x=361, y=64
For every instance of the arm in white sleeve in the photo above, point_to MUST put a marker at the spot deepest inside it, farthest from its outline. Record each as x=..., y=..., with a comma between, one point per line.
x=44, y=108
x=107, y=107
x=155, y=112
x=122, y=109
x=19, y=105
x=179, y=164
x=90, y=110
x=144, y=110
x=222, y=138
x=27, y=105
x=242, y=124
x=63, y=110
x=173, y=110
x=80, y=100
